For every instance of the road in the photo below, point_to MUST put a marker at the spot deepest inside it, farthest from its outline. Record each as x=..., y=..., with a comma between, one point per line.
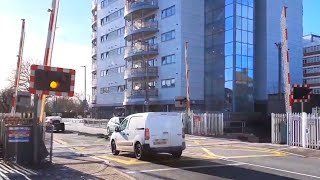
x=204, y=158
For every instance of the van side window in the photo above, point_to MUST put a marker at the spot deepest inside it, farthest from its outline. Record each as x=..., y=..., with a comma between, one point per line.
x=124, y=124
x=136, y=123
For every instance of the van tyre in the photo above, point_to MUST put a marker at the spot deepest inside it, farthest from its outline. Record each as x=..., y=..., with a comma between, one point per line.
x=114, y=148
x=138, y=151
x=177, y=154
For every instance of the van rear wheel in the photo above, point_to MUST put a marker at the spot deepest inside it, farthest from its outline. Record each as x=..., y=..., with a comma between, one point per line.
x=114, y=148
x=177, y=154
x=138, y=151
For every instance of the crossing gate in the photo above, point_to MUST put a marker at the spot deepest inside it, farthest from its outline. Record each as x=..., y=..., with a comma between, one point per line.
x=207, y=124
x=302, y=129
x=278, y=134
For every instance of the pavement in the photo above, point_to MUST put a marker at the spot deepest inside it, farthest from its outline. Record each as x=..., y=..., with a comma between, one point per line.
x=204, y=158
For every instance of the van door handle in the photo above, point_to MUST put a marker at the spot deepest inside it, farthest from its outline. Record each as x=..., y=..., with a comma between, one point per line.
x=165, y=133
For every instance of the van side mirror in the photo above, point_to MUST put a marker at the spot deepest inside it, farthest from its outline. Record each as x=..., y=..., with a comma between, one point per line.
x=117, y=129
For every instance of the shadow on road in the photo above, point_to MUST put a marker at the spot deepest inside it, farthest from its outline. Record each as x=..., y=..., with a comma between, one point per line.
x=214, y=168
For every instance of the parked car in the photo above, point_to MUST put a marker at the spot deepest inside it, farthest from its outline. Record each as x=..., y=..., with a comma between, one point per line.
x=113, y=123
x=148, y=133
x=54, y=122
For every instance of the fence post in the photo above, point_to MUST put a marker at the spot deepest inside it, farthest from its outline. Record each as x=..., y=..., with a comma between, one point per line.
x=288, y=129
x=190, y=116
x=304, y=129
x=272, y=128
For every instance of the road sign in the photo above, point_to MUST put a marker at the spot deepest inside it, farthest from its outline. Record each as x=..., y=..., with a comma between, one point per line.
x=51, y=80
x=301, y=93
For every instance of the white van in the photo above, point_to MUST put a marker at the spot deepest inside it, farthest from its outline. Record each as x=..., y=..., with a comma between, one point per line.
x=152, y=132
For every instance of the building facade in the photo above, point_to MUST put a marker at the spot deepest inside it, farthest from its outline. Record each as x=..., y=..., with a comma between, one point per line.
x=138, y=53
x=311, y=62
x=267, y=34
x=138, y=59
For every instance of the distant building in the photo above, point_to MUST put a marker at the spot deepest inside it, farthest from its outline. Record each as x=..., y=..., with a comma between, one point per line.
x=311, y=62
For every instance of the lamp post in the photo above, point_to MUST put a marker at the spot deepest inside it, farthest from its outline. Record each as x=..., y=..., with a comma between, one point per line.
x=279, y=46
x=85, y=89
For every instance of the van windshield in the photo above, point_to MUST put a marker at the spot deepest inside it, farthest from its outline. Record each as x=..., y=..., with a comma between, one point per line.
x=121, y=119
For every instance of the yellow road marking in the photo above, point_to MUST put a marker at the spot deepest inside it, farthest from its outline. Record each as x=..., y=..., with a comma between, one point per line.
x=211, y=153
x=80, y=149
x=60, y=141
x=123, y=160
x=272, y=154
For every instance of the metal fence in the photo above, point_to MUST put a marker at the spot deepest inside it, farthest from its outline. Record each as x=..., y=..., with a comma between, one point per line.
x=98, y=123
x=207, y=124
x=296, y=129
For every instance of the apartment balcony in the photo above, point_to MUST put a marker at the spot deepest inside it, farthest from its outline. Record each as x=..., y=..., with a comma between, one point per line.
x=94, y=53
x=141, y=94
x=94, y=20
x=94, y=5
x=94, y=100
x=94, y=66
x=136, y=30
x=135, y=8
x=150, y=72
x=139, y=50
x=94, y=82
x=94, y=35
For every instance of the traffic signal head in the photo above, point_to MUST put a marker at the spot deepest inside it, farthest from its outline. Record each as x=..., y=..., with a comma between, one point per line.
x=301, y=92
x=51, y=80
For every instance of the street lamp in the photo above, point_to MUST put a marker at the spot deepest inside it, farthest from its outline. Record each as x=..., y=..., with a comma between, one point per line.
x=85, y=90
x=279, y=47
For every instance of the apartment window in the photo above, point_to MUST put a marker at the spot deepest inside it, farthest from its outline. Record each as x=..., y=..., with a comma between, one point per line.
x=152, y=63
x=168, y=12
x=152, y=85
x=120, y=31
x=112, y=16
x=121, y=88
x=168, y=59
x=167, y=83
x=120, y=50
x=103, y=73
x=104, y=38
x=104, y=90
x=121, y=69
x=104, y=55
x=168, y=36
x=103, y=3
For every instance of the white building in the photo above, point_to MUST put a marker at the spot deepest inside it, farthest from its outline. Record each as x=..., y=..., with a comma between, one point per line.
x=138, y=53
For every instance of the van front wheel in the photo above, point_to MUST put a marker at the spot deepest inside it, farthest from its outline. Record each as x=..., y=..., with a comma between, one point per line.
x=138, y=151
x=114, y=148
x=177, y=154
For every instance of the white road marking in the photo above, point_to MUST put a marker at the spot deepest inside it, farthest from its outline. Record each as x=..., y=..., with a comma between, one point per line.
x=3, y=176
x=275, y=169
x=28, y=173
x=189, y=167
x=8, y=168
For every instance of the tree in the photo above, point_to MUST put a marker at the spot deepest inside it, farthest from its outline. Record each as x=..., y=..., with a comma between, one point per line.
x=5, y=100
x=24, y=75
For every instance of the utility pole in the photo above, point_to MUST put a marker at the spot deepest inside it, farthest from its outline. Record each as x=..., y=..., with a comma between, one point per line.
x=39, y=100
x=187, y=78
x=18, y=70
x=85, y=90
x=279, y=46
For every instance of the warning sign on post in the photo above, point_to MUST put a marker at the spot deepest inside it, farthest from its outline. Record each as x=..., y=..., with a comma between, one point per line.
x=19, y=134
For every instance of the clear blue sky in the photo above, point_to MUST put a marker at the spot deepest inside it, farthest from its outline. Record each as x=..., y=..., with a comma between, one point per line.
x=311, y=16
x=73, y=39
